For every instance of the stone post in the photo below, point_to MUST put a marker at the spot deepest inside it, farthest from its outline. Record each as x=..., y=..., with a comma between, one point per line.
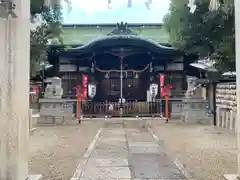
x=14, y=100
x=237, y=44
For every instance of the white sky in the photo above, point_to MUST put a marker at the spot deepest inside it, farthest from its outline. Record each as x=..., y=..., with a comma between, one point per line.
x=96, y=11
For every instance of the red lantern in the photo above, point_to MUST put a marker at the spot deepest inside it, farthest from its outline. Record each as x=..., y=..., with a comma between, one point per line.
x=36, y=90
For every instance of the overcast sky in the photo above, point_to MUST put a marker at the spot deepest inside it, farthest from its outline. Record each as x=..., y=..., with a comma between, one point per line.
x=97, y=12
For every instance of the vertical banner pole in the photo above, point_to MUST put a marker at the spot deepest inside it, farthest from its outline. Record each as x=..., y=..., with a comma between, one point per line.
x=161, y=83
x=167, y=118
x=79, y=108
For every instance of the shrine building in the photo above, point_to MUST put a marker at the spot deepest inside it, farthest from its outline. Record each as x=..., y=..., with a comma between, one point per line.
x=138, y=52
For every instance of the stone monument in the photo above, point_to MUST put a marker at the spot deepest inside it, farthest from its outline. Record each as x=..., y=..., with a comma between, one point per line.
x=194, y=104
x=53, y=108
x=54, y=90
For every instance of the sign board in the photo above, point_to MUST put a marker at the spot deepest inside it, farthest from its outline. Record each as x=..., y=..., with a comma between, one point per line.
x=56, y=109
x=175, y=67
x=67, y=68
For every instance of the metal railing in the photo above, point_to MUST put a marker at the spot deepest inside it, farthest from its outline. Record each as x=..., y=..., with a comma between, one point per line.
x=133, y=109
x=116, y=109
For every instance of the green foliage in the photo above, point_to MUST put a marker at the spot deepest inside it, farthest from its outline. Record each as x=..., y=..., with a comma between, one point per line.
x=50, y=28
x=203, y=32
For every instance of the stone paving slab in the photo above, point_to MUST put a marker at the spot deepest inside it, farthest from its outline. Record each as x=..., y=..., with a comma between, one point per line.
x=143, y=144
x=111, y=143
x=133, y=130
x=111, y=146
x=144, y=150
x=137, y=133
x=109, y=154
x=155, y=167
x=139, y=139
x=104, y=178
x=110, y=150
x=95, y=173
x=108, y=162
x=114, y=139
x=159, y=179
x=123, y=153
x=114, y=131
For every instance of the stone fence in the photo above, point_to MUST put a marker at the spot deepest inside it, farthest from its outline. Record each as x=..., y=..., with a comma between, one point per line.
x=226, y=118
x=226, y=105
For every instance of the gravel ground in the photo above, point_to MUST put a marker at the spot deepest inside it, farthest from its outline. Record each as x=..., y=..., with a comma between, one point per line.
x=206, y=152
x=55, y=151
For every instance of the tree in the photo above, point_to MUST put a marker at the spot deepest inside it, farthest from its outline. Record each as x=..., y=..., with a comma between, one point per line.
x=48, y=21
x=203, y=32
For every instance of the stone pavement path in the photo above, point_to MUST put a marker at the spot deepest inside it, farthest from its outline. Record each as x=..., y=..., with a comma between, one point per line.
x=127, y=153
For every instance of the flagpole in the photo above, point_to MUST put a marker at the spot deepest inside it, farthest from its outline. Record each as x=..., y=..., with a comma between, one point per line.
x=121, y=86
x=121, y=79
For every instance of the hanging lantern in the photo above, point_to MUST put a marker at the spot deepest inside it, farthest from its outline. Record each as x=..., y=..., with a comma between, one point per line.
x=151, y=69
x=91, y=90
x=107, y=75
x=192, y=5
x=151, y=78
x=214, y=5
x=136, y=76
x=153, y=89
x=92, y=68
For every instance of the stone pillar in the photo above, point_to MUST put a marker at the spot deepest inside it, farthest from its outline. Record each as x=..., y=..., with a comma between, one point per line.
x=2, y=99
x=237, y=44
x=14, y=102
x=237, y=36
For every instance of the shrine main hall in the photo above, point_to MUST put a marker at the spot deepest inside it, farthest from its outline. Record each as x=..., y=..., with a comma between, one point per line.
x=139, y=53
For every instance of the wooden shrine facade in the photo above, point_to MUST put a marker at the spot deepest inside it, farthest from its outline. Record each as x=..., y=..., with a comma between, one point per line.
x=142, y=61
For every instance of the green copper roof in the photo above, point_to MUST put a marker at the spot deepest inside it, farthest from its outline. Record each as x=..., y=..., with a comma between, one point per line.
x=82, y=35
